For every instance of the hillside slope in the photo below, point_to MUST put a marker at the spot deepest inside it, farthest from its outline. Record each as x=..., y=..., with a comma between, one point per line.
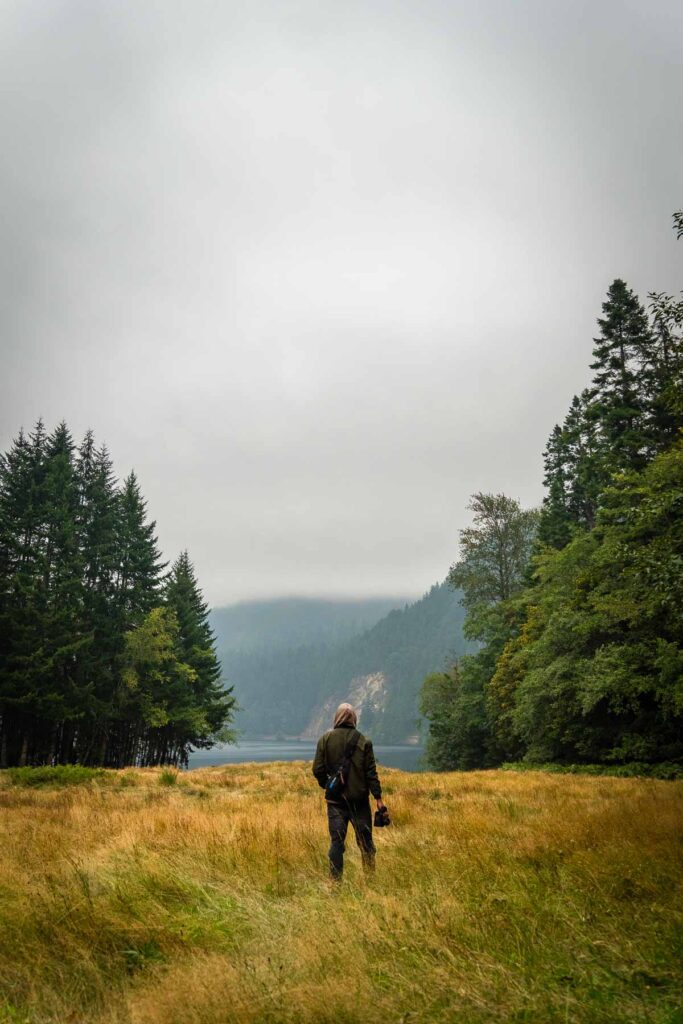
x=296, y=621
x=290, y=691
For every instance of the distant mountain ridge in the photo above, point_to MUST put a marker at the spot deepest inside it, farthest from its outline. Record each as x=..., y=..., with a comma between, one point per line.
x=289, y=690
x=296, y=621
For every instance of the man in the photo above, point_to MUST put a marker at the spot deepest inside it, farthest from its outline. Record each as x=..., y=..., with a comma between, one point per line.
x=354, y=805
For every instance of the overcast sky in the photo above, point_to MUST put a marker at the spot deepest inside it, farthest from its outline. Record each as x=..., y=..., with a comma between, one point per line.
x=318, y=271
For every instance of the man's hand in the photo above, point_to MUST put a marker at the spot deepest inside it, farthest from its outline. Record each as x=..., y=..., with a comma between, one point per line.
x=380, y=804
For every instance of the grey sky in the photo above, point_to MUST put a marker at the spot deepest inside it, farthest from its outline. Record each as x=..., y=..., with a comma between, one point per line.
x=318, y=271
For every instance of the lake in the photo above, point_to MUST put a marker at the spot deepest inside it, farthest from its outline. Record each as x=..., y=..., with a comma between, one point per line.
x=405, y=757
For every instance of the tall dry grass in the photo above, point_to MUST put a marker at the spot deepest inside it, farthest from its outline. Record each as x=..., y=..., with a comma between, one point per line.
x=497, y=897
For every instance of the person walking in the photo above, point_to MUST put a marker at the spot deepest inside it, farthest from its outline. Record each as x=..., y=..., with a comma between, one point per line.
x=344, y=740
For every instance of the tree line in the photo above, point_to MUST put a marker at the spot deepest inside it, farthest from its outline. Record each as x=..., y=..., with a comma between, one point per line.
x=106, y=656
x=578, y=606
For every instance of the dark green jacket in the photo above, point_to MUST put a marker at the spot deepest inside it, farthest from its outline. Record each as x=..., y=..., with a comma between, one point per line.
x=363, y=776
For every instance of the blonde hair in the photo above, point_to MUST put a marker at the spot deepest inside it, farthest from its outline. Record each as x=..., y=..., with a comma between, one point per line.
x=345, y=714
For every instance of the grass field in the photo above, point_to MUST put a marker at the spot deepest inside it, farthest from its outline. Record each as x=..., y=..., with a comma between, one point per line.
x=149, y=898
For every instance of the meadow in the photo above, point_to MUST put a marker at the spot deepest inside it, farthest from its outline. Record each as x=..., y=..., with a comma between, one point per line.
x=150, y=897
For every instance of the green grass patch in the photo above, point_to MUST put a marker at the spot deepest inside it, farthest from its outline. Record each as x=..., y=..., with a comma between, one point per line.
x=668, y=770
x=60, y=775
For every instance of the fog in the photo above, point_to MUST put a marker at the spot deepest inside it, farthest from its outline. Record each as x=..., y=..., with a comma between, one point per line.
x=317, y=272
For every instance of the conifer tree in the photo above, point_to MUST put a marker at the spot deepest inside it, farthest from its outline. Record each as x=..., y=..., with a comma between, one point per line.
x=139, y=567
x=43, y=595
x=97, y=531
x=197, y=641
x=59, y=599
x=556, y=520
x=91, y=668
x=661, y=370
x=17, y=525
x=616, y=397
x=584, y=460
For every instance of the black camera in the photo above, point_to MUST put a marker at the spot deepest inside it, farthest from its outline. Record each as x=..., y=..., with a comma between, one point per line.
x=382, y=817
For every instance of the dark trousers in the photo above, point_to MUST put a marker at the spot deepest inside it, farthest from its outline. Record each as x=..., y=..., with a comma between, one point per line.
x=338, y=818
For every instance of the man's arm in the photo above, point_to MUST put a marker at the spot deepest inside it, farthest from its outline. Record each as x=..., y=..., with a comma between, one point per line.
x=319, y=763
x=371, y=776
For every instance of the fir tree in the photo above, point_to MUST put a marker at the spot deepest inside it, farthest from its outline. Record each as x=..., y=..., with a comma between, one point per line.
x=661, y=371
x=59, y=599
x=556, y=520
x=197, y=644
x=616, y=397
x=18, y=472
x=97, y=520
x=584, y=460
x=91, y=668
x=139, y=567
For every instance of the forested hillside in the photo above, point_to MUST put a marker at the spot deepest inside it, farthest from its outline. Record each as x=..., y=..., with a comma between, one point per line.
x=579, y=608
x=280, y=691
x=296, y=621
x=105, y=658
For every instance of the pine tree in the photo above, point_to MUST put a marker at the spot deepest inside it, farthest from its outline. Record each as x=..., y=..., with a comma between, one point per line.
x=616, y=396
x=585, y=462
x=22, y=616
x=139, y=569
x=556, y=520
x=97, y=534
x=60, y=600
x=197, y=643
x=661, y=370
x=42, y=596
x=18, y=472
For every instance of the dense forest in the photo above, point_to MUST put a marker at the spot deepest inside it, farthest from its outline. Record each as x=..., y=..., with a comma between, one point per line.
x=106, y=658
x=578, y=606
x=403, y=646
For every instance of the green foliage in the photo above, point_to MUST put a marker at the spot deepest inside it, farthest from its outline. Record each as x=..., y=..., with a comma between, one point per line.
x=604, y=671
x=632, y=410
x=197, y=646
x=438, y=701
x=80, y=576
x=582, y=660
x=453, y=703
x=494, y=552
x=463, y=729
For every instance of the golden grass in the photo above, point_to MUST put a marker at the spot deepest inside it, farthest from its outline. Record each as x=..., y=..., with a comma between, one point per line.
x=497, y=897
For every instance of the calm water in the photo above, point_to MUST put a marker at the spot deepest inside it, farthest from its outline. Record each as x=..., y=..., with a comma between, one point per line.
x=403, y=757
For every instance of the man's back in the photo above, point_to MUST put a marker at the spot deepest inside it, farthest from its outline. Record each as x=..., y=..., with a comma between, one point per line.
x=363, y=778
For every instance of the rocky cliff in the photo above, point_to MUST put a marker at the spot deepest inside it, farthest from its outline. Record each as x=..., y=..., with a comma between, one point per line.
x=367, y=693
